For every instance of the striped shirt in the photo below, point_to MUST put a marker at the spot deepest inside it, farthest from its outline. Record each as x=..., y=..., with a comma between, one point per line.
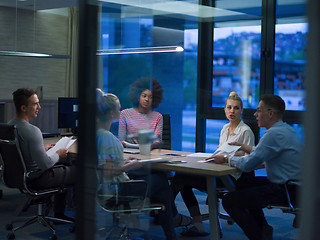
x=132, y=121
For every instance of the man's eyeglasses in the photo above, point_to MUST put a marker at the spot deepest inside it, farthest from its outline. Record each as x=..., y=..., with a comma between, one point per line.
x=261, y=110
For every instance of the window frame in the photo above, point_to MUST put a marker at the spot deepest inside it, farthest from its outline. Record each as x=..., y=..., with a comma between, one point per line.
x=204, y=82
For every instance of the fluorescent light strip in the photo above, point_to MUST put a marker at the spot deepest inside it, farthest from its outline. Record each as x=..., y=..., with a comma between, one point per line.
x=140, y=50
x=32, y=54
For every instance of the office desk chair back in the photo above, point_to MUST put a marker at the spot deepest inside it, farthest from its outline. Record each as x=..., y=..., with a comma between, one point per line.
x=123, y=199
x=166, y=132
x=14, y=175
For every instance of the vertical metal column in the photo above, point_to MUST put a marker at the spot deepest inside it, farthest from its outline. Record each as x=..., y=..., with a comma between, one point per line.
x=87, y=156
x=310, y=197
x=267, y=46
x=204, y=77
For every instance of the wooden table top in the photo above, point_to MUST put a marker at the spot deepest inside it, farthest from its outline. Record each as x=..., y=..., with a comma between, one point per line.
x=191, y=164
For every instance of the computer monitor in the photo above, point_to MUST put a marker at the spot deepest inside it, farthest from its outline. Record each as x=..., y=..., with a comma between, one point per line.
x=68, y=113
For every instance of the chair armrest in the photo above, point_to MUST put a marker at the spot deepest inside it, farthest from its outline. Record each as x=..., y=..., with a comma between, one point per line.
x=292, y=187
x=294, y=182
x=37, y=192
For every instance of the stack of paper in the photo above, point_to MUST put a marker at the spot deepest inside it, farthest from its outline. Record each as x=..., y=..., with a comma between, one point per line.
x=64, y=142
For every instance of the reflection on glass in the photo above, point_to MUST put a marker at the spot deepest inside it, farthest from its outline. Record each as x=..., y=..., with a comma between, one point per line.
x=236, y=64
x=290, y=61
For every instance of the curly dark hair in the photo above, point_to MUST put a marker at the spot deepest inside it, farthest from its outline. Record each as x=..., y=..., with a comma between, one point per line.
x=143, y=84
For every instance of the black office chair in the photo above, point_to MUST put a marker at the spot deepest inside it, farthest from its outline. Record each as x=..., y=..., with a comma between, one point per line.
x=15, y=174
x=166, y=132
x=292, y=188
x=124, y=199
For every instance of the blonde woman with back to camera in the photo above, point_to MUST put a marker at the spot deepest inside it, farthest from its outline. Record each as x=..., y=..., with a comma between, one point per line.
x=111, y=159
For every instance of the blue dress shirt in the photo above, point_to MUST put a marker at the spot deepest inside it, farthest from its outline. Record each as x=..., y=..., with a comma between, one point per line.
x=280, y=149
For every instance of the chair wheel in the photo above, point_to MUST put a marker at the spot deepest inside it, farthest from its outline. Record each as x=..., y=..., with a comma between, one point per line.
x=230, y=222
x=9, y=227
x=11, y=236
x=53, y=237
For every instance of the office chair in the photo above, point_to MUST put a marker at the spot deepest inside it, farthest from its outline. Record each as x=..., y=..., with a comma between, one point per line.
x=166, y=132
x=14, y=175
x=123, y=199
x=290, y=206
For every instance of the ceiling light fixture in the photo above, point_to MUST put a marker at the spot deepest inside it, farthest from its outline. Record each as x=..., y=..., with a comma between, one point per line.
x=162, y=49
x=32, y=54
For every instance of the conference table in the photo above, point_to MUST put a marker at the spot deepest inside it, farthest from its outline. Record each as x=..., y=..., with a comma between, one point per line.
x=193, y=163
x=189, y=163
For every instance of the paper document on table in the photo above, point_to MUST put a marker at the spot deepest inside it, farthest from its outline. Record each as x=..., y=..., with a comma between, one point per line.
x=226, y=149
x=200, y=154
x=64, y=142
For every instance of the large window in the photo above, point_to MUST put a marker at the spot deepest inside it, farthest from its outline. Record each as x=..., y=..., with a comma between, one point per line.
x=236, y=60
x=236, y=64
x=237, y=52
x=290, y=61
x=291, y=31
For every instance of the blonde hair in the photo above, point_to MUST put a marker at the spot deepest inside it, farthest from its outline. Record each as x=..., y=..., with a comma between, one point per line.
x=234, y=96
x=106, y=102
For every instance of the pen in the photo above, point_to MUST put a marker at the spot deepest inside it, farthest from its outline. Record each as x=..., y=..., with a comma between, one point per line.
x=178, y=161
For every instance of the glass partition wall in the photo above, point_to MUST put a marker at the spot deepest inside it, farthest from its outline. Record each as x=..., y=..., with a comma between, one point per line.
x=159, y=40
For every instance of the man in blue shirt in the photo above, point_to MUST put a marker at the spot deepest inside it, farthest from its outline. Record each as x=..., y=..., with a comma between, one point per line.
x=279, y=150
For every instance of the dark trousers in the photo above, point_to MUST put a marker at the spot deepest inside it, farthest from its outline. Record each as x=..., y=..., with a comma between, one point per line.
x=245, y=204
x=56, y=176
x=159, y=191
x=184, y=183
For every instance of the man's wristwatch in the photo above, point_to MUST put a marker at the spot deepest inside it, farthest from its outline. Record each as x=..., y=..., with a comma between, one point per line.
x=225, y=158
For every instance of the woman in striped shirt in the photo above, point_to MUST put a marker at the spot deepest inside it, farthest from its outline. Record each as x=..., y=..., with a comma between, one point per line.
x=145, y=95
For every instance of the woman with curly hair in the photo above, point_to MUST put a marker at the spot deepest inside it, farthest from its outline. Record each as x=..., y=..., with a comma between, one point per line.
x=145, y=95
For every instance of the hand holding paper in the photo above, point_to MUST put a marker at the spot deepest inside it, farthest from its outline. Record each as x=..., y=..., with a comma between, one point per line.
x=224, y=149
x=64, y=142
